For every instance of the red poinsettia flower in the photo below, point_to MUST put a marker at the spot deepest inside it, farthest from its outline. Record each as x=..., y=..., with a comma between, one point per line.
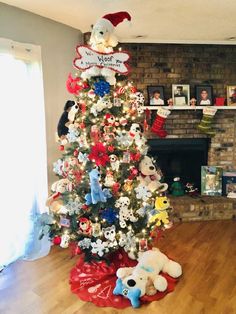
x=75, y=85
x=99, y=155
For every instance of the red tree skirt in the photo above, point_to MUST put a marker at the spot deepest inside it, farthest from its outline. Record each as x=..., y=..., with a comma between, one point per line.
x=95, y=282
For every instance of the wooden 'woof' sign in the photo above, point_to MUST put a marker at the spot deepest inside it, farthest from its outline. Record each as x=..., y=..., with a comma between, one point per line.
x=88, y=58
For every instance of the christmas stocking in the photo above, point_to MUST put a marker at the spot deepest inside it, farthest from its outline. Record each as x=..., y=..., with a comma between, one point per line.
x=159, y=122
x=205, y=125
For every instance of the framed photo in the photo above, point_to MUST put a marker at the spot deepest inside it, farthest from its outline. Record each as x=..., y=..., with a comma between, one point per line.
x=180, y=95
x=211, y=180
x=231, y=95
x=229, y=183
x=204, y=95
x=156, y=95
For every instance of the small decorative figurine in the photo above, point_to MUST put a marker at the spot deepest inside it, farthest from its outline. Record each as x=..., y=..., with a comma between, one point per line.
x=177, y=188
x=190, y=189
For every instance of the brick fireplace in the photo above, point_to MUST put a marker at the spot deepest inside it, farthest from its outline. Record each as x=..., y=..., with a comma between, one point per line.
x=167, y=64
x=180, y=157
x=221, y=152
x=222, y=148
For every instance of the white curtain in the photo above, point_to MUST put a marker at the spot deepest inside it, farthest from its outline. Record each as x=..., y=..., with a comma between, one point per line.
x=22, y=151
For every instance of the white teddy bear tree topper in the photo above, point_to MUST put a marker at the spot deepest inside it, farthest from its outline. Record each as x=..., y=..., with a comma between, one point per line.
x=103, y=40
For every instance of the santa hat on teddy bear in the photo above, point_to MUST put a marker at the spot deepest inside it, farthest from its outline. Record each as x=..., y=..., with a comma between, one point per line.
x=113, y=19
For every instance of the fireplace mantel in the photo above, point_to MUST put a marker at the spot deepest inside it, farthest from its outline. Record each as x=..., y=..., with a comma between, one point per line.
x=190, y=107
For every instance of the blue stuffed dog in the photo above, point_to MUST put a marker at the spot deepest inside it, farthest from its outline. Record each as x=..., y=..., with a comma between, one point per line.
x=97, y=194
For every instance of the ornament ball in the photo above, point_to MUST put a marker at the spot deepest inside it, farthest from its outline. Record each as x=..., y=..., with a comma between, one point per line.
x=57, y=240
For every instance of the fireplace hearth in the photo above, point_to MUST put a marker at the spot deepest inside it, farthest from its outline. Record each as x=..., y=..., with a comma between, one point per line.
x=180, y=157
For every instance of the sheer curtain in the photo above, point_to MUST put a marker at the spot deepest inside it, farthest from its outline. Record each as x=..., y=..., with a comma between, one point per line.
x=23, y=151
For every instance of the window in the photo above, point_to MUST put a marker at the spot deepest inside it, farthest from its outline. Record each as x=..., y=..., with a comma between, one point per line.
x=23, y=147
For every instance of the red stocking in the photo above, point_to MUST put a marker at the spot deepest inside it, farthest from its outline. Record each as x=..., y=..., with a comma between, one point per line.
x=159, y=122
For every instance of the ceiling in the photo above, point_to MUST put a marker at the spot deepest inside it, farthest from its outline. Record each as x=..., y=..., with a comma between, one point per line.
x=153, y=21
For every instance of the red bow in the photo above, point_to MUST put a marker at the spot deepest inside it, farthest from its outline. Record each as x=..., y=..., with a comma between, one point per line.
x=152, y=177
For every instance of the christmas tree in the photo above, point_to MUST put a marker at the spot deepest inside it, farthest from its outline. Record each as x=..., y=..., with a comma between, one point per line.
x=108, y=187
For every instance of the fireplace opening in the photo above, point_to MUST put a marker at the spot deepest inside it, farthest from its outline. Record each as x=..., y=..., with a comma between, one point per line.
x=180, y=158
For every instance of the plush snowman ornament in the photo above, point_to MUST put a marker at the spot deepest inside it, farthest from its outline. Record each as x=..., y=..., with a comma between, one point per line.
x=103, y=40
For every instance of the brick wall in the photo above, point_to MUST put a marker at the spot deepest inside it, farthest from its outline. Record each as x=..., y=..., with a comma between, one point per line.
x=167, y=64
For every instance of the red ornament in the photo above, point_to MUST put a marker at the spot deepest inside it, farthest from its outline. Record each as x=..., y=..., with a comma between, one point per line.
x=85, y=85
x=78, y=176
x=135, y=157
x=110, y=148
x=83, y=107
x=82, y=125
x=120, y=90
x=56, y=240
x=115, y=188
x=76, y=153
x=95, y=133
x=85, y=207
x=99, y=154
x=133, y=173
x=133, y=89
x=61, y=147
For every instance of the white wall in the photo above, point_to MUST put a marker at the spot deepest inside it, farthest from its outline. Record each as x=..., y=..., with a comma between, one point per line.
x=58, y=43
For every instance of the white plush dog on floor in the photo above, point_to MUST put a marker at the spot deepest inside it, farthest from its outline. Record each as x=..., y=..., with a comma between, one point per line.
x=150, y=264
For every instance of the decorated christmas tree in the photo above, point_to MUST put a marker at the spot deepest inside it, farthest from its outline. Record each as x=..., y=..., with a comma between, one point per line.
x=109, y=196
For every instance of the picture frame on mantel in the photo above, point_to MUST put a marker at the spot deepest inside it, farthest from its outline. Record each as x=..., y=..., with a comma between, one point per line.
x=156, y=95
x=231, y=95
x=204, y=95
x=211, y=180
x=180, y=94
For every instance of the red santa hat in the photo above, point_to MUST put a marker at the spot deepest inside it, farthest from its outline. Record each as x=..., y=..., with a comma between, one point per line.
x=117, y=18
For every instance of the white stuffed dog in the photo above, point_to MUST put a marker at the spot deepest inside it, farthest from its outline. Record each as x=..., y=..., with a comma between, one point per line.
x=125, y=214
x=149, y=176
x=103, y=40
x=150, y=264
x=101, y=104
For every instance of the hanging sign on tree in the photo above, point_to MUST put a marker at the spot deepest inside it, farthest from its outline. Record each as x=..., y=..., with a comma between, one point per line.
x=88, y=58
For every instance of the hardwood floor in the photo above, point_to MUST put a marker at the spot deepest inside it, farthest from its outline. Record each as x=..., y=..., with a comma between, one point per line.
x=206, y=250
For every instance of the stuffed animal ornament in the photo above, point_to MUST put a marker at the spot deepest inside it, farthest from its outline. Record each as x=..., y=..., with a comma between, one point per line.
x=65, y=120
x=103, y=40
x=101, y=104
x=149, y=176
x=133, y=282
x=110, y=235
x=125, y=214
x=161, y=216
x=97, y=194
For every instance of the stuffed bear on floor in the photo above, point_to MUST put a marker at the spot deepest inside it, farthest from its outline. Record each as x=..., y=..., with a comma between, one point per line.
x=134, y=282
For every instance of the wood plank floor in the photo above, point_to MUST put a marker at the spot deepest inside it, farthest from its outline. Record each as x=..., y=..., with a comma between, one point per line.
x=206, y=250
